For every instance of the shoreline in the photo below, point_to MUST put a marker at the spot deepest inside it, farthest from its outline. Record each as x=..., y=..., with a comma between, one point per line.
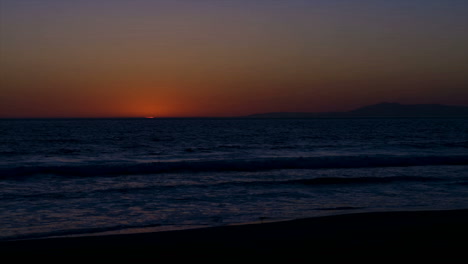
x=417, y=233
x=169, y=228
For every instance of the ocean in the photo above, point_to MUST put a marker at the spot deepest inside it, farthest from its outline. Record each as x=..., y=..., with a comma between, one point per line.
x=61, y=177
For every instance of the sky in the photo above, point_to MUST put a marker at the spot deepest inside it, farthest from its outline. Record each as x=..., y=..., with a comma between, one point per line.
x=132, y=58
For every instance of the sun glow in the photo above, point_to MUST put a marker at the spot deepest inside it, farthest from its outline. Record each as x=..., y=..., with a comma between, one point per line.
x=153, y=107
x=171, y=59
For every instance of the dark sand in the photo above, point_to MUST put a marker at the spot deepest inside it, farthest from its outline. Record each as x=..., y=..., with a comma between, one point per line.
x=424, y=235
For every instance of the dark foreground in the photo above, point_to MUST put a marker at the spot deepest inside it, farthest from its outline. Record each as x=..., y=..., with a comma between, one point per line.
x=419, y=234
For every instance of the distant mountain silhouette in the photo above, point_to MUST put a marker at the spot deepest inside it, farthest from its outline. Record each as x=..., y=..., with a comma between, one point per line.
x=380, y=110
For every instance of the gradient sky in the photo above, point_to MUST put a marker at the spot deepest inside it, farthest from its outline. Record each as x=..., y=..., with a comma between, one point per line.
x=126, y=58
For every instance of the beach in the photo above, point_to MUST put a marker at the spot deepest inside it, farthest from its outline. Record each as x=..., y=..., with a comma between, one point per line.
x=421, y=234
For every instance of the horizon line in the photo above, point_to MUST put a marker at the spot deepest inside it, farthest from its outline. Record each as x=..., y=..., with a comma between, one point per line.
x=212, y=117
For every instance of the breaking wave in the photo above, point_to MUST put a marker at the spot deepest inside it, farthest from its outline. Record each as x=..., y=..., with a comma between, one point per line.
x=319, y=181
x=256, y=164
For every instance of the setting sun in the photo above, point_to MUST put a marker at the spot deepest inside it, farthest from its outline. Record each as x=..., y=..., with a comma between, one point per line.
x=174, y=58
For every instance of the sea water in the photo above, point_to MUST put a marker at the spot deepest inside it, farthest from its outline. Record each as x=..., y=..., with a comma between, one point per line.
x=85, y=176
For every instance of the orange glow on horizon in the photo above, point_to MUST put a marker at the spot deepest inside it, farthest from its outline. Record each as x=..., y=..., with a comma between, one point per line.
x=153, y=59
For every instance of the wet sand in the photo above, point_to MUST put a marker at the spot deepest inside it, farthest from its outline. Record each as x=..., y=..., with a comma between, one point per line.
x=425, y=235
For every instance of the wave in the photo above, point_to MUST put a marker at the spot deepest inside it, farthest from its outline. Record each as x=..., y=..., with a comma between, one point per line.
x=78, y=231
x=319, y=181
x=121, y=227
x=255, y=164
x=436, y=145
x=363, y=180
